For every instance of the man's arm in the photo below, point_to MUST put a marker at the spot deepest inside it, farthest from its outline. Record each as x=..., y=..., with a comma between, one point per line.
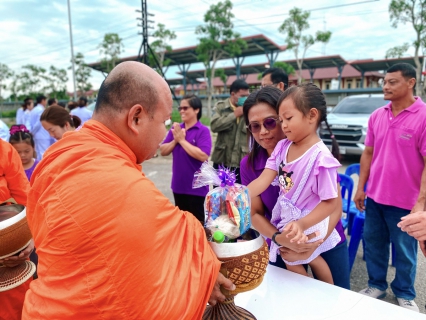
x=222, y=122
x=17, y=181
x=364, y=173
x=421, y=199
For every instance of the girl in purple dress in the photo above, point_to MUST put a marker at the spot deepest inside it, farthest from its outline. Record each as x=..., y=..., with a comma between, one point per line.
x=305, y=170
x=22, y=140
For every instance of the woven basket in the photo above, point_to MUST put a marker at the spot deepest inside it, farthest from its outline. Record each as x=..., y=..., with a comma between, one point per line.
x=13, y=277
x=246, y=271
x=14, y=238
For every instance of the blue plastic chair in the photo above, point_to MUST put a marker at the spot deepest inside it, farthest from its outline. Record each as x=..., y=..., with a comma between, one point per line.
x=347, y=186
x=356, y=237
x=353, y=169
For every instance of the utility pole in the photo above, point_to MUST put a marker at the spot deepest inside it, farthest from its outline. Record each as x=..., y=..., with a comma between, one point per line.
x=72, y=51
x=145, y=44
x=144, y=25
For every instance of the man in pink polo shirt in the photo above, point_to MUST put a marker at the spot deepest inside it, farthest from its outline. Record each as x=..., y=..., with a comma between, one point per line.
x=393, y=162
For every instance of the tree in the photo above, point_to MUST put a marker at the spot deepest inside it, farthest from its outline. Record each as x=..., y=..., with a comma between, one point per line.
x=414, y=13
x=111, y=48
x=295, y=27
x=57, y=83
x=217, y=38
x=5, y=73
x=14, y=87
x=31, y=79
x=82, y=74
x=161, y=45
x=397, y=51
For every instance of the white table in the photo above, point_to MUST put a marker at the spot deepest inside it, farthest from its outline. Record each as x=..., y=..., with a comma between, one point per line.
x=286, y=295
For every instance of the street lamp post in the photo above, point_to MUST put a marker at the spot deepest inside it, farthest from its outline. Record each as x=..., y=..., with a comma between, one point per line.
x=72, y=51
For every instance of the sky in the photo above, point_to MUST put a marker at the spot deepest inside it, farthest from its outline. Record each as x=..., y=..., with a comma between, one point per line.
x=37, y=31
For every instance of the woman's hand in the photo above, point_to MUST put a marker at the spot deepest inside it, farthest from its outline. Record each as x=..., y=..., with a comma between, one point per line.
x=295, y=232
x=13, y=261
x=178, y=133
x=292, y=256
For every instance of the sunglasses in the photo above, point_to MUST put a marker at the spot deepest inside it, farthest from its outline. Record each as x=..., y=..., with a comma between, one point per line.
x=183, y=108
x=268, y=123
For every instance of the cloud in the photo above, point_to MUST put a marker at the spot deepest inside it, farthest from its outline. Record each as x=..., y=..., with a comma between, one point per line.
x=36, y=32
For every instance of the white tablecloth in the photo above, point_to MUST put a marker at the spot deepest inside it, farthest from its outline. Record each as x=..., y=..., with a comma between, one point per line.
x=286, y=295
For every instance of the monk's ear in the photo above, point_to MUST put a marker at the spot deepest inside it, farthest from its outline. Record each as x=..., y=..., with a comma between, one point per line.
x=135, y=117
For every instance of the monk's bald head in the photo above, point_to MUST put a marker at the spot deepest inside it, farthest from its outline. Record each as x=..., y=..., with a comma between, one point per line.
x=128, y=84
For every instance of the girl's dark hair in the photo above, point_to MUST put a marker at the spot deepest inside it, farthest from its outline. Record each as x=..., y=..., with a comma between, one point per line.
x=21, y=136
x=195, y=103
x=27, y=102
x=269, y=95
x=308, y=96
x=58, y=116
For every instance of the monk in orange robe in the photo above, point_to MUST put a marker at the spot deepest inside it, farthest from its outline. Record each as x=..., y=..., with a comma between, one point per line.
x=110, y=244
x=13, y=185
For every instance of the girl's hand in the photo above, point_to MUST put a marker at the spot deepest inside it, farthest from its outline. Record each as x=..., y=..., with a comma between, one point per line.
x=295, y=232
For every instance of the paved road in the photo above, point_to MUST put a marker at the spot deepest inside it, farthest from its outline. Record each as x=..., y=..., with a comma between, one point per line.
x=160, y=172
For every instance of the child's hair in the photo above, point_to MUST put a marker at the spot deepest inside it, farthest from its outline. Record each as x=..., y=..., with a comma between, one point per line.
x=19, y=133
x=58, y=116
x=308, y=96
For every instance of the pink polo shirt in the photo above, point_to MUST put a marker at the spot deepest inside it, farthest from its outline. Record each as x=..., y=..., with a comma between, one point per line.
x=399, y=147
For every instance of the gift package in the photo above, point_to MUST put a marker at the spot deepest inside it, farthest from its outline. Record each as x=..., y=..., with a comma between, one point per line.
x=227, y=207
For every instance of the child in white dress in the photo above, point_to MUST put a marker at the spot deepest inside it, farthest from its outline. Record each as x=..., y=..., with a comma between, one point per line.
x=306, y=172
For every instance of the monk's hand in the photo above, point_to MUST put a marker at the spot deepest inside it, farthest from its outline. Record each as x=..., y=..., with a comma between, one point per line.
x=292, y=256
x=13, y=261
x=295, y=232
x=216, y=295
x=415, y=225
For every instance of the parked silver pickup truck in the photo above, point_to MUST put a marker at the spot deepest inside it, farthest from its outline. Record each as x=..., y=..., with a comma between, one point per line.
x=349, y=120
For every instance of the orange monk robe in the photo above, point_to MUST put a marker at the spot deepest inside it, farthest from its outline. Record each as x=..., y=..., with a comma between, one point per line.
x=13, y=181
x=110, y=244
x=13, y=184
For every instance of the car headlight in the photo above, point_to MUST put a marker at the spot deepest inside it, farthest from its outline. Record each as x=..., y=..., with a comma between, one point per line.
x=364, y=130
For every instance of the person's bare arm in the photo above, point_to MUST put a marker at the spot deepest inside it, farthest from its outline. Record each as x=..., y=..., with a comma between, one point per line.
x=264, y=226
x=364, y=173
x=193, y=151
x=257, y=186
x=323, y=210
x=421, y=199
x=167, y=148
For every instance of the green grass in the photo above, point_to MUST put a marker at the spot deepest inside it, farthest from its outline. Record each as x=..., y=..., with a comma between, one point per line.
x=8, y=114
x=176, y=118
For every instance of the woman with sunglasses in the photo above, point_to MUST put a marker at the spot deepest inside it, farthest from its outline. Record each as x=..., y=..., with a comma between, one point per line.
x=190, y=143
x=264, y=131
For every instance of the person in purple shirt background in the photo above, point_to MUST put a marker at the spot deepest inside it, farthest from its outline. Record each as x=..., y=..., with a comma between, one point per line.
x=190, y=143
x=261, y=107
